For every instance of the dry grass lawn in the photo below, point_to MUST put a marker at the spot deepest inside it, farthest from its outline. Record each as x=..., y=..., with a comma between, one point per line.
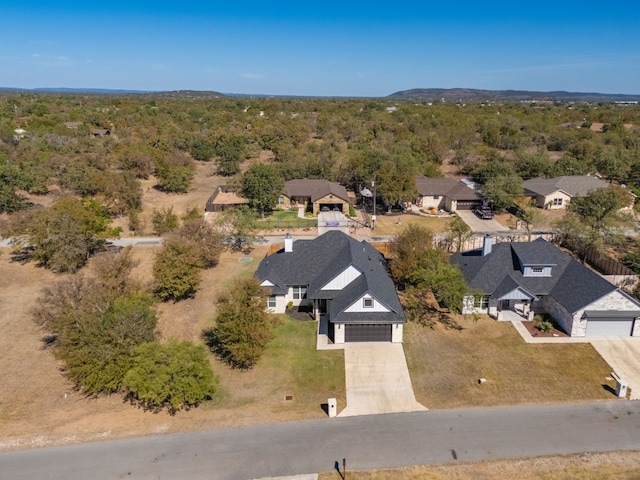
x=38, y=407
x=445, y=366
x=394, y=224
x=586, y=466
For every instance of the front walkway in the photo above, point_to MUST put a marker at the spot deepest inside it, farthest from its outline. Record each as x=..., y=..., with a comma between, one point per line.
x=377, y=379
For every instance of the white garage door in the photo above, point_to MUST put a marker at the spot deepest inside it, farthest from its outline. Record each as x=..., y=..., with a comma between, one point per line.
x=609, y=327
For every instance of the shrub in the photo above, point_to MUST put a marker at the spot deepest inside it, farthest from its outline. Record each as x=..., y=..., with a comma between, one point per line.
x=173, y=376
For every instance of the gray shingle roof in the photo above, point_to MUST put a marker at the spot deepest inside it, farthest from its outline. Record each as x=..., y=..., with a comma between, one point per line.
x=448, y=187
x=571, y=284
x=314, y=188
x=574, y=185
x=316, y=262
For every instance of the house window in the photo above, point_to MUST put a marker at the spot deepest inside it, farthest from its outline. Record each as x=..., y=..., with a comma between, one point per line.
x=280, y=200
x=537, y=269
x=481, y=301
x=299, y=292
x=271, y=301
x=557, y=202
x=367, y=302
x=436, y=197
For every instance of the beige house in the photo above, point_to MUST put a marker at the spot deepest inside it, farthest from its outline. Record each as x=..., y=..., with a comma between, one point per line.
x=446, y=194
x=555, y=193
x=315, y=195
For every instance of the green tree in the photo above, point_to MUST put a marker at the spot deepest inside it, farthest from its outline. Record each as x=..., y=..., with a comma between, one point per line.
x=176, y=270
x=458, y=232
x=12, y=179
x=600, y=208
x=528, y=213
x=65, y=235
x=174, y=376
x=503, y=190
x=164, y=221
x=93, y=330
x=262, y=184
x=238, y=227
x=418, y=263
x=243, y=327
x=174, y=172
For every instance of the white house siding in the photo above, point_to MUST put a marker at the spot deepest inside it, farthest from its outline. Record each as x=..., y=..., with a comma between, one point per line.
x=547, y=201
x=289, y=298
x=396, y=333
x=428, y=201
x=281, y=305
x=358, y=306
x=338, y=333
x=616, y=300
x=343, y=279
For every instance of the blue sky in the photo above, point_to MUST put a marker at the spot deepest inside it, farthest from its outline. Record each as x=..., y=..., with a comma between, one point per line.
x=325, y=48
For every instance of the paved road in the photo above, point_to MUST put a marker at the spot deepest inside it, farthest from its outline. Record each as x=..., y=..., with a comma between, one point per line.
x=367, y=442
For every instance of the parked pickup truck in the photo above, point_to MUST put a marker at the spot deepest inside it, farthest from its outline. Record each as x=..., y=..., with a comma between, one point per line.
x=484, y=212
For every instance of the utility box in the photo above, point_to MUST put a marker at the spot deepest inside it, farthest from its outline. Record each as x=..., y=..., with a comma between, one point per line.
x=621, y=386
x=332, y=407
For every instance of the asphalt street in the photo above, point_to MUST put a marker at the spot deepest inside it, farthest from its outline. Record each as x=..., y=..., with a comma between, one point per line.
x=366, y=442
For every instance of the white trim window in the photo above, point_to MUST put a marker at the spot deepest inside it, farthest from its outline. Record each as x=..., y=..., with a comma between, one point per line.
x=367, y=302
x=299, y=292
x=557, y=202
x=481, y=301
x=271, y=301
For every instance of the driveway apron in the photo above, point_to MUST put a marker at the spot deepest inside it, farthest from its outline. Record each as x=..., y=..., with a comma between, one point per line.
x=377, y=380
x=623, y=355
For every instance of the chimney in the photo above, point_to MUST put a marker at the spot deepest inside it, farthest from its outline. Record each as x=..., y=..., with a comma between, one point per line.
x=288, y=243
x=487, y=243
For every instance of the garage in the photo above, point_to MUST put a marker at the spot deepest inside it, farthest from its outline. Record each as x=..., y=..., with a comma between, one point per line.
x=368, y=332
x=468, y=204
x=610, y=324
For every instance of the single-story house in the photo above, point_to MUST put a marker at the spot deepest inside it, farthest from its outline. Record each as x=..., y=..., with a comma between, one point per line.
x=515, y=280
x=315, y=195
x=222, y=198
x=446, y=194
x=342, y=281
x=554, y=193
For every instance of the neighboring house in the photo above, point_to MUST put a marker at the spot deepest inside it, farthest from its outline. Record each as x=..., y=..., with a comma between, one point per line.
x=343, y=282
x=446, y=194
x=514, y=280
x=554, y=193
x=315, y=195
x=222, y=198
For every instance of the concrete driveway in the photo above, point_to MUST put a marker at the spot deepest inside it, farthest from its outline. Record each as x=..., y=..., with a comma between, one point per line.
x=377, y=380
x=623, y=355
x=478, y=225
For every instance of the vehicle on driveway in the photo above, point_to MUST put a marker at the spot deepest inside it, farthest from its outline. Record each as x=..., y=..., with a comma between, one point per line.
x=484, y=212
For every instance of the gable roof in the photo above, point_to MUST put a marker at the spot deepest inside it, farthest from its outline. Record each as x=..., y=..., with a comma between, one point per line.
x=571, y=284
x=314, y=188
x=574, y=185
x=316, y=262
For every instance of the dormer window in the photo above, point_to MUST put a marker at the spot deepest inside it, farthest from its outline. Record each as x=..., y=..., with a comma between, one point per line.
x=367, y=302
x=537, y=269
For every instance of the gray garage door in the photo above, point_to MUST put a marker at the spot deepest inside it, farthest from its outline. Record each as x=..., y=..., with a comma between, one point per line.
x=367, y=332
x=609, y=327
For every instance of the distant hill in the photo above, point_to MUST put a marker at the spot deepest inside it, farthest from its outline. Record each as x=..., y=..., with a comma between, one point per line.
x=471, y=94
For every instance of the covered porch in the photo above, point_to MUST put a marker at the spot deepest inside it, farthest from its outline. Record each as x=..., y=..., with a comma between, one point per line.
x=509, y=304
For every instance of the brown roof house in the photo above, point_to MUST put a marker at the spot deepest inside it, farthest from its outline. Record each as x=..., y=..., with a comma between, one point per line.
x=315, y=195
x=555, y=193
x=446, y=194
x=222, y=199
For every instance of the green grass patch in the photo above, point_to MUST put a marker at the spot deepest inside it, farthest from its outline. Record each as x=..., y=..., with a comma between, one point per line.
x=284, y=219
